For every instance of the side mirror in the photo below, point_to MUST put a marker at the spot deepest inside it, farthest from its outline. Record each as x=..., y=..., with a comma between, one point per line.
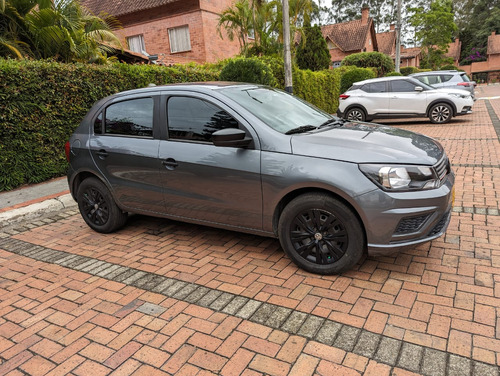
x=231, y=137
x=419, y=88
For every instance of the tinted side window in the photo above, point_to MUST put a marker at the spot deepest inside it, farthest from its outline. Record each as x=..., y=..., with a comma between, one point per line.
x=434, y=79
x=98, y=124
x=195, y=119
x=130, y=118
x=446, y=77
x=402, y=86
x=375, y=87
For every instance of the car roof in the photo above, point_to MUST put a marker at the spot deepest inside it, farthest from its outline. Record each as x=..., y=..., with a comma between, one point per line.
x=199, y=86
x=434, y=72
x=390, y=78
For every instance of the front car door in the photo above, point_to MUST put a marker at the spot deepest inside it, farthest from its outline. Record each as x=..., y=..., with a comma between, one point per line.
x=124, y=148
x=405, y=100
x=202, y=181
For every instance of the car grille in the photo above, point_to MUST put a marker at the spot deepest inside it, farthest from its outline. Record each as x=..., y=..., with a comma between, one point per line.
x=440, y=225
x=443, y=167
x=410, y=224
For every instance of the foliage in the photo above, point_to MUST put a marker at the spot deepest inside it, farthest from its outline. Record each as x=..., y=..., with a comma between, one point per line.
x=247, y=70
x=312, y=53
x=393, y=74
x=406, y=71
x=477, y=19
x=448, y=67
x=378, y=60
x=42, y=102
x=355, y=75
x=61, y=30
x=320, y=88
x=257, y=25
x=434, y=29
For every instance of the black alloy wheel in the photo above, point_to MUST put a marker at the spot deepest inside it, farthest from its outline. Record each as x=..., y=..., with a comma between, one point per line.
x=321, y=234
x=440, y=113
x=95, y=207
x=98, y=208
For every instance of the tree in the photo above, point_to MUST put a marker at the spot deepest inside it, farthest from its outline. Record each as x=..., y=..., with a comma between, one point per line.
x=62, y=30
x=478, y=20
x=312, y=53
x=434, y=30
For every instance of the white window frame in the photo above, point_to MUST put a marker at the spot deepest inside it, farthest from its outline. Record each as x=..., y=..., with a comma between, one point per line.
x=179, y=39
x=140, y=39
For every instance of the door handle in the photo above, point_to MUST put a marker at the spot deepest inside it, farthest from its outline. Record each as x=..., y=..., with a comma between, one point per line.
x=170, y=163
x=102, y=154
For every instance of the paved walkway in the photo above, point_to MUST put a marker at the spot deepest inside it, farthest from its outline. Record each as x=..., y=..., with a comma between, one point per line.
x=162, y=297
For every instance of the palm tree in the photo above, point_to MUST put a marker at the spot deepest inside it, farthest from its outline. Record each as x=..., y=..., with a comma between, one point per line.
x=62, y=30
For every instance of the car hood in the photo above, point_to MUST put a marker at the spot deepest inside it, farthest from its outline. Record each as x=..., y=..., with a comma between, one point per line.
x=368, y=143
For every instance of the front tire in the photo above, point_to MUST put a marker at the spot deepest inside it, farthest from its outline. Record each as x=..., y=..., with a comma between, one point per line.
x=440, y=113
x=321, y=234
x=355, y=114
x=98, y=208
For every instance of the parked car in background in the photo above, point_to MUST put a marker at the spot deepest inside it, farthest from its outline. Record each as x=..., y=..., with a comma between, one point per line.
x=447, y=79
x=398, y=97
x=255, y=159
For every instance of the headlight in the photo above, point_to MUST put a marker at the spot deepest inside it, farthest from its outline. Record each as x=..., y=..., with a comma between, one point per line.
x=463, y=96
x=401, y=178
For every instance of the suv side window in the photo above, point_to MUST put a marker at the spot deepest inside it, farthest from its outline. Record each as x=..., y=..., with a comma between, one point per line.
x=132, y=117
x=434, y=79
x=375, y=87
x=194, y=119
x=402, y=86
x=446, y=77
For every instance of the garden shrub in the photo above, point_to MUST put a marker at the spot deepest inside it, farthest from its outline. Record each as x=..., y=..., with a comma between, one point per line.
x=378, y=60
x=448, y=67
x=42, y=102
x=250, y=70
x=355, y=75
x=406, y=71
x=393, y=74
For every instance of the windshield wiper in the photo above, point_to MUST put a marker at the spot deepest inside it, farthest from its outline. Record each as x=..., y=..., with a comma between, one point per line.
x=333, y=122
x=301, y=129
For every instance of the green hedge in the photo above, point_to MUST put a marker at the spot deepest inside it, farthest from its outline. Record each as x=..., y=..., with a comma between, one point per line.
x=408, y=70
x=248, y=70
x=355, y=75
x=41, y=104
x=390, y=74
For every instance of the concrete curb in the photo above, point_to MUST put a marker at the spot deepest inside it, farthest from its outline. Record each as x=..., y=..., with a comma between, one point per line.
x=36, y=210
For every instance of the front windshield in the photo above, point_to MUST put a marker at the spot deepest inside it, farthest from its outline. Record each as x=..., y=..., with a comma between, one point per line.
x=278, y=109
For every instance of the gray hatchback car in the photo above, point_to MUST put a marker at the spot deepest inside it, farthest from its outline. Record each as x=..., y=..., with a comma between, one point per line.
x=255, y=159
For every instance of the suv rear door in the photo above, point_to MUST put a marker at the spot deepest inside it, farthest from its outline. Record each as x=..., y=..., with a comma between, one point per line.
x=374, y=97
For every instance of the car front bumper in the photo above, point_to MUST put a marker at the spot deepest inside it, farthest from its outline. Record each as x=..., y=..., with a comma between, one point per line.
x=413, y=217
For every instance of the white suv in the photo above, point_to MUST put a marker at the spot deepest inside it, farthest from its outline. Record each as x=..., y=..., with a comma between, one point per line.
x=402, y=97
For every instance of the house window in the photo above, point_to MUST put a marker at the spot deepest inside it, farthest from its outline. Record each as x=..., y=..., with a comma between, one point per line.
x=179, y=39
x=136, y=43
x=337, y=64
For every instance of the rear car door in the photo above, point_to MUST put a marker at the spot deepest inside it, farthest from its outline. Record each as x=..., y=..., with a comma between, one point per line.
x=124, y=148
x=202, y=181
x=404, y=99
x=375, y=98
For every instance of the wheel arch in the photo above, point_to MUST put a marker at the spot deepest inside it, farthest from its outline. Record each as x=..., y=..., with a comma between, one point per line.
x=285, y=200
x=79, y=177
x=356, y=105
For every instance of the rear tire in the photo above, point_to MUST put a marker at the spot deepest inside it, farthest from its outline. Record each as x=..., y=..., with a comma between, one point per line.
x=355, y=114
x=98, y=208
x=440, y=113
x=321, y=234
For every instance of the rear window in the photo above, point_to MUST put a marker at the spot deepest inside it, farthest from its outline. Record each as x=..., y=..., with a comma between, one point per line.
x=465, y=78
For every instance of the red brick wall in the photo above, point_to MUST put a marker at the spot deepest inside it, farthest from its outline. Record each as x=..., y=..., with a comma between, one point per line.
x=206, y=44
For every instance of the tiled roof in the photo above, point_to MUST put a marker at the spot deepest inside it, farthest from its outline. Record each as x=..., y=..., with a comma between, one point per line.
x=493, y=44
x=122, y=7
x=408, y=53
x=349, y=36
x=386, y=42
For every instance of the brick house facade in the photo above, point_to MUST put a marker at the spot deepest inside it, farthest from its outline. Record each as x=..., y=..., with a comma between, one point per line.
x=178, y=31
x=351, y=37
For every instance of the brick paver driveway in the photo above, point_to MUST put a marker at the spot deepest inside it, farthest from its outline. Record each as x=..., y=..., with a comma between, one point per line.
x=161, y=297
